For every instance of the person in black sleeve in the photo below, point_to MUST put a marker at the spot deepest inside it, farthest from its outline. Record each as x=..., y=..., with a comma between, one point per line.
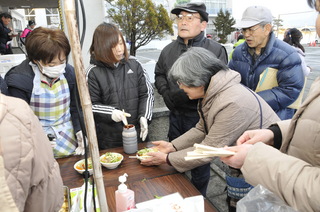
x=5, y=33
x=191, y=20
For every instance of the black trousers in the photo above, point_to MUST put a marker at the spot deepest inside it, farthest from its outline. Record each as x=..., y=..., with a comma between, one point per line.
x=179, y=124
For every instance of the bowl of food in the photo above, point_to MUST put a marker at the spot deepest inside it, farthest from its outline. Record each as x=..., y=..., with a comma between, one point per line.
x=80, y=166
x=143, y=153
x=111, y=160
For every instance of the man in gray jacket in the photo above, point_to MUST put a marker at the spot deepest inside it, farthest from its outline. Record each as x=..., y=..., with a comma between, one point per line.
x=191, y=20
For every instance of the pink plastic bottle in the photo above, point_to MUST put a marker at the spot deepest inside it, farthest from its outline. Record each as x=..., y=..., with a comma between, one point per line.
x=124, y=196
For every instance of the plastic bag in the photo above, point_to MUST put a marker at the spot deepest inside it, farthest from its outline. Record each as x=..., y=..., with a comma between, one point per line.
x=77, y=199
x=262, y=200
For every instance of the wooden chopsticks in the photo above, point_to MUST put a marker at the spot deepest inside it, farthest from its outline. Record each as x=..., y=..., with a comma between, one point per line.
x=203, y=151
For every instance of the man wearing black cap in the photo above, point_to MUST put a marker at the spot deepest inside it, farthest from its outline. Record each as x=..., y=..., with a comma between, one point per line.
x=191, y=20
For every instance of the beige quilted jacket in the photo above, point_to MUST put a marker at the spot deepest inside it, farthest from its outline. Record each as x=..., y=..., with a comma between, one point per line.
x=295, y=175
x=229, y=109
x=31, y=172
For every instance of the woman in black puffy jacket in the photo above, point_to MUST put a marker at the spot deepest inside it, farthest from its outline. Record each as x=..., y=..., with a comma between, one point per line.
x=118, y=86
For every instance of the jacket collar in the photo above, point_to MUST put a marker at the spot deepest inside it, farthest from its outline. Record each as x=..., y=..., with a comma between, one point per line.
x=194, y=41
x=270, y=44
x=266, y=50
x=102, y=64
x=220, y=82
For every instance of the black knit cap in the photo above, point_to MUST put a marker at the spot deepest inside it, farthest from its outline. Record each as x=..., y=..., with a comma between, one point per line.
x=192, y=8
x=31, y=22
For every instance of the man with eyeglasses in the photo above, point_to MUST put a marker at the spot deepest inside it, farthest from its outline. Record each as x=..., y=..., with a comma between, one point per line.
x=192, y=21
x=268, y=65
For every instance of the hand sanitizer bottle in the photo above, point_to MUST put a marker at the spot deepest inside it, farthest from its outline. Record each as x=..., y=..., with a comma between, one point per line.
x=124, y=196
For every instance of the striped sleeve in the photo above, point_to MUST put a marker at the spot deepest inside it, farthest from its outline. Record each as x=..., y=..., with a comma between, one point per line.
x=150, y=99
x=103, y=109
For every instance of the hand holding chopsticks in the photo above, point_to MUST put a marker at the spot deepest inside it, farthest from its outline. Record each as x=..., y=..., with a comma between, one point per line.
x=118, y=115
x=124, y=119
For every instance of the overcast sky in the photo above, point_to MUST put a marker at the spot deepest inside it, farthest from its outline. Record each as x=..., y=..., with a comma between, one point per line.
x=303, y=14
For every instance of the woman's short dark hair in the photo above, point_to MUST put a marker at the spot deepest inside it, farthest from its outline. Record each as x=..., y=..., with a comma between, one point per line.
x=195, y=67
x=106, y=37
x=45, y=44
x=5, y=15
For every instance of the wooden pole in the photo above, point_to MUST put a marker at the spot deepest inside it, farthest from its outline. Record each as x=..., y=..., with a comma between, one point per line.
x=69, y=8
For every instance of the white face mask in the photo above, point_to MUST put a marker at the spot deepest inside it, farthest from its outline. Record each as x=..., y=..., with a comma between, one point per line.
x=54, y=71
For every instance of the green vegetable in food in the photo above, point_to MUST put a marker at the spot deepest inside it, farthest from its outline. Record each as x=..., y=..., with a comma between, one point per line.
x=81, y=164
x=110, y=157
x=143, y=152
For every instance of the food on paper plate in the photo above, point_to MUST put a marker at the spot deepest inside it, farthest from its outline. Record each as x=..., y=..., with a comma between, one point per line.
x=143, y=153
x=111, y=160
x=111, y=157
x=80, y=166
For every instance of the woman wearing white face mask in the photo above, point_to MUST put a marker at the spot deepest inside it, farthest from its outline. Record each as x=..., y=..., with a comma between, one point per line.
x=54, y=71
x=48, y=85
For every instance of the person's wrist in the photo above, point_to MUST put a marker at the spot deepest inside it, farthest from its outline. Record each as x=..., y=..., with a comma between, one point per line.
x=276, y=137
x=167, y=159
x=173, y=148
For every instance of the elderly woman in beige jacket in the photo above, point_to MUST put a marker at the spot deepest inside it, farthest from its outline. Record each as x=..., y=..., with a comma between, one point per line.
x=226, y=109
x=293, y=173
x=31, y=173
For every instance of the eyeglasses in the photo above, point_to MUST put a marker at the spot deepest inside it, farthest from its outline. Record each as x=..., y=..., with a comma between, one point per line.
x=249, y=30
x=188, y=17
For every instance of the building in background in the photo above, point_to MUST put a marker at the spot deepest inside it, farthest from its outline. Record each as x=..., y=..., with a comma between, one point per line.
x=51, y=14
x=213, y=8
x=45, y=17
